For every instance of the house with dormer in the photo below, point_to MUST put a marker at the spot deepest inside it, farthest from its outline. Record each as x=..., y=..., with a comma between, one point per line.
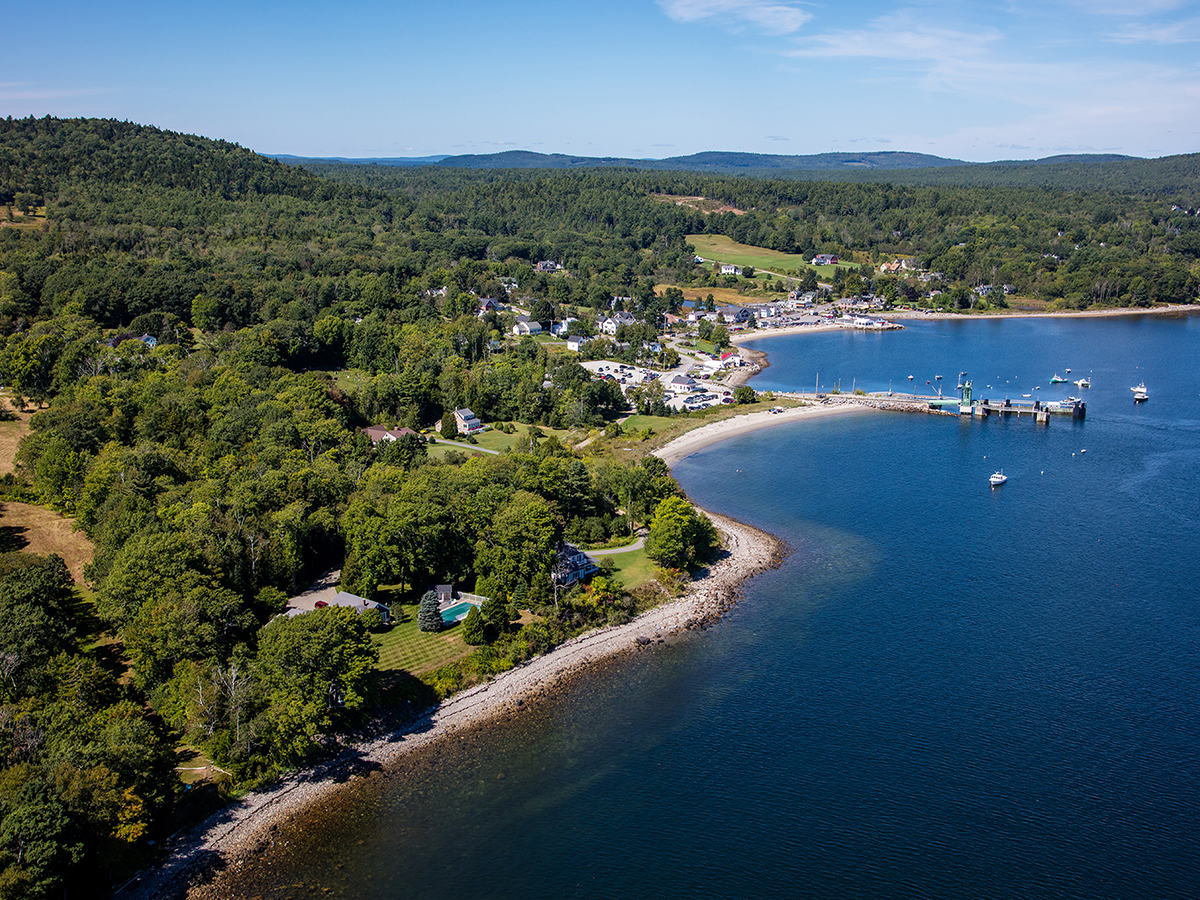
x=467, y=421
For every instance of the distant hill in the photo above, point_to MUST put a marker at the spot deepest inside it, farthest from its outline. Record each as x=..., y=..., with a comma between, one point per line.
x=355, y=161
x=40, y=155
x=714, y=161
x=1168, y=175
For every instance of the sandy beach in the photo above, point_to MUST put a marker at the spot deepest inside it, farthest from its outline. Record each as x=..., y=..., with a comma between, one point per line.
x=204, y=863
x=692, y=441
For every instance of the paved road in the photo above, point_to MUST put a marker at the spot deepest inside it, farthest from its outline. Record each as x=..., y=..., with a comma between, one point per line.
x=636, y=545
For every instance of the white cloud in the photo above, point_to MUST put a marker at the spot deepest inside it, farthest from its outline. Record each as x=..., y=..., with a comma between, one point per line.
x=24, y=90
x=778, y=18
x=899, y=37
x=1185, y=32
x=1128, y=8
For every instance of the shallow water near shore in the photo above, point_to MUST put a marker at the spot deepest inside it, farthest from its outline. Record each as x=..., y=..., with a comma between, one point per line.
x=945, y=691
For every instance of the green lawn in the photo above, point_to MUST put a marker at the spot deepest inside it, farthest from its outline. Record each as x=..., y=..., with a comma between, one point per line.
x=498, y=440
x=350, y=379
x=406, y=648
x=441, y=448
x=637, y=423
x=633, y=568
x=720, y=247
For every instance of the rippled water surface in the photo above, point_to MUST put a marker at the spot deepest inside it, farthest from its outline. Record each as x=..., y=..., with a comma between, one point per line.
x=947, y=691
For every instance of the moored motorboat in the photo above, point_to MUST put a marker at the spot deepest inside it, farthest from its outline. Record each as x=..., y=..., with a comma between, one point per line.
x=998, y=478
x=1140, y=393
x=1083, y=382
x=1058, y=379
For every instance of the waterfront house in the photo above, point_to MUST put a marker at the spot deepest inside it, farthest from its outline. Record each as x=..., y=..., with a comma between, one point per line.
x=349, y=601
x=572, y=565
x=678, y=384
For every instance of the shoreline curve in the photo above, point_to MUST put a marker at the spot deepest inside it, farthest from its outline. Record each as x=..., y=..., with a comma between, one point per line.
x=205, y=861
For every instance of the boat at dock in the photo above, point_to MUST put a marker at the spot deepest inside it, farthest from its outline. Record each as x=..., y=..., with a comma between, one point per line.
x=1140, y=393
x=998, y=478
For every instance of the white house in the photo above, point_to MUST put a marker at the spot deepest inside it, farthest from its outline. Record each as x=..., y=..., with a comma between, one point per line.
x=730, y=269
x=678, y=384
x=824, y=259
x=610, y=325
x=575, y=342
x=467, y=421
x=561, y=328
x=526, y=325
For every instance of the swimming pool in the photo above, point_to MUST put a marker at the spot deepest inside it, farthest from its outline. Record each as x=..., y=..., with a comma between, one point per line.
x=457, y=612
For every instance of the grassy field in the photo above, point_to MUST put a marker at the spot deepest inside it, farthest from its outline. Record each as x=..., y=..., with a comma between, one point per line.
x=633, y=568
x=441, y=448
x=406, y=648
x=498, y=440
x=720, y=247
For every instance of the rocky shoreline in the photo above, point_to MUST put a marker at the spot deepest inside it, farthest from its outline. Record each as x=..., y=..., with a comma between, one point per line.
x=205, y=862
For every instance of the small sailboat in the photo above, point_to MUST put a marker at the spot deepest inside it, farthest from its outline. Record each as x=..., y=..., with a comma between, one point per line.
x=998, y=478
x=1140, y=393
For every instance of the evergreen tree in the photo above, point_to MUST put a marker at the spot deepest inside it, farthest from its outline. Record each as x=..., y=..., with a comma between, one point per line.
x=473, y=627
x=429, y=618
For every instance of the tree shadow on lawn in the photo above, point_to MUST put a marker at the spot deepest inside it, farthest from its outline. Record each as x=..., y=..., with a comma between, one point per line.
x=12, y=538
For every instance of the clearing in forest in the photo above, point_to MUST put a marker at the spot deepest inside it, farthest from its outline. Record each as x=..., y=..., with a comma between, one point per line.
x=723, y=249
x=704, y=204
x=11, y=433
x=35, y=529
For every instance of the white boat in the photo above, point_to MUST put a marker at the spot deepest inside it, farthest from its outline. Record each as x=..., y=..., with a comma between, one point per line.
x=1140, y=393
x=1083, y=382
x=998, y=478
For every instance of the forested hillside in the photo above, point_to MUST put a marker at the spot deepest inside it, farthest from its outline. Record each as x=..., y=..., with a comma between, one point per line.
x=204, y=333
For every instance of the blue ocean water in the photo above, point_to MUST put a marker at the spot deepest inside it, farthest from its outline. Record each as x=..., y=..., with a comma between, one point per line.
x=946, y=691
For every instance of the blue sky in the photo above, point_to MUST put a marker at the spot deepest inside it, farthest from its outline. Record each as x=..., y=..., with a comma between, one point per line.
x=642, y=78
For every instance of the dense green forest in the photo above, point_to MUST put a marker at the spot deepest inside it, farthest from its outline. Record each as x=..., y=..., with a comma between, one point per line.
x=182, y=312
